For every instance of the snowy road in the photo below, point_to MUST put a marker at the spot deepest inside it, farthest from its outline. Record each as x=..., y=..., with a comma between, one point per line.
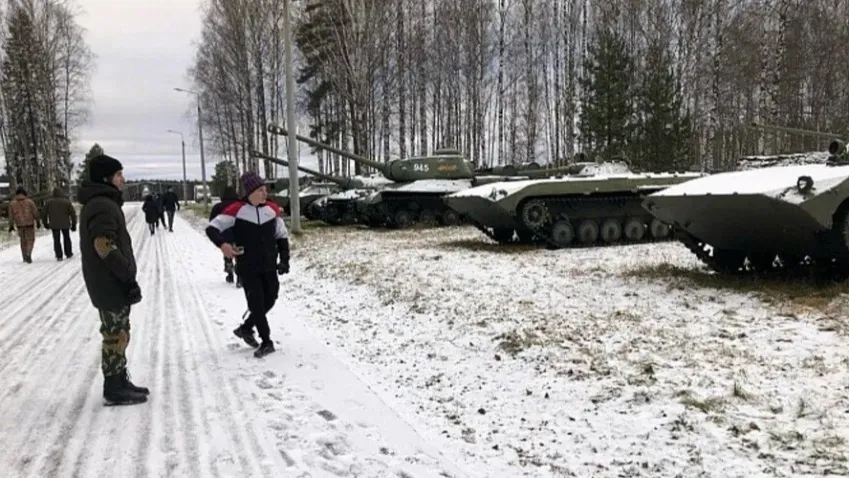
x=214, y=410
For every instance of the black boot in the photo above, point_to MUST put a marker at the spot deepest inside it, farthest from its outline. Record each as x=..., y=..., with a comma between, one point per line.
x=246, y=335
x=238, y=282
x=128, y=384
x=229, y=278
x=28, y=259
x=266, y=348
x=115, y=393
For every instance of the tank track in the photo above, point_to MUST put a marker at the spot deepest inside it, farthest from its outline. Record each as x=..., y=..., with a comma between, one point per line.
x=543, y=235
x=736, y=263
x=383, y=215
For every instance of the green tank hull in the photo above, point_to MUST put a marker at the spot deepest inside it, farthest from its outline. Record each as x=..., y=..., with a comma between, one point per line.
x=762, y=219
x=572, y=211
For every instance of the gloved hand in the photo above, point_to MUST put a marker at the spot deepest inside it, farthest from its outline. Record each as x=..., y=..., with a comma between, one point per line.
x=133, y=292
x=282, y=267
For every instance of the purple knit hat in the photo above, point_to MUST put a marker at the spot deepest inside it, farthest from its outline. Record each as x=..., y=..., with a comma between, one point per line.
x=251, y=182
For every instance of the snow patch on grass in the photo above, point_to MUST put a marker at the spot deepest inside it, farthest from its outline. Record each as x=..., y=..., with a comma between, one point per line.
x=551, y=363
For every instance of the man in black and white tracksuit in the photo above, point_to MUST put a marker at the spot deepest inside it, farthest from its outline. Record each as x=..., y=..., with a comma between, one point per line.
x=261, y=250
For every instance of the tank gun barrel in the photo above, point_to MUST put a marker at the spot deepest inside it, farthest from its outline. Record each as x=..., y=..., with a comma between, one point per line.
x=801, y=131
x=345, y=183
x=275, y=128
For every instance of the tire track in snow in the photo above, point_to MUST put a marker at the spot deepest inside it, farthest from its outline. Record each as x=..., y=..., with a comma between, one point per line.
x=48, y=411
x=89, y=433
x=211, y=431
x=53, y=282
x=252, y=454
x=183, y=354
x=312, y=440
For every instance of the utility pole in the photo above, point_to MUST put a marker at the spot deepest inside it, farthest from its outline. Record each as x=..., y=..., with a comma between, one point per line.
x=200, y=139
x=294, y=200
x=185, y=181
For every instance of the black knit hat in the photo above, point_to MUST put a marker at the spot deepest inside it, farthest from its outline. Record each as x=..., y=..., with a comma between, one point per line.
x=21, y=191
x=102, y=167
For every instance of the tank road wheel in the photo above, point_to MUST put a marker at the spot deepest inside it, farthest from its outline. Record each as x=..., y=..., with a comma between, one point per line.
x=403, y=218
x=588, y=231
x=611, y=231
x=348, y=218
x=761, y=261
x=427, y=216
x=634, y=229
x=562, y=233
x=534, y=214
x=449, y=217
x=658, y=229
x=525, y=236
x=502, y=235
x=728, y=261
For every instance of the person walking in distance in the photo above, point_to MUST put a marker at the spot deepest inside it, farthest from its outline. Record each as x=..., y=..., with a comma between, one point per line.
x=228, y=196
x=258, y=229
x=61, y=218
x=23, y=214
x=151, y=214
x=161, y=209
x=109, y=272
x=170, y=202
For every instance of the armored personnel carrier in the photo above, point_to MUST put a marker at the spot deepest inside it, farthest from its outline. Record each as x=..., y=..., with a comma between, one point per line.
x=766, y=219
x=596, y=203
x=415, y=190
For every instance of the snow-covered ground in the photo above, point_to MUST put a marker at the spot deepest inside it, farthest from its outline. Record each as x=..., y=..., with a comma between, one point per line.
x=581, y=362
x=214, y=409
x=424, y=353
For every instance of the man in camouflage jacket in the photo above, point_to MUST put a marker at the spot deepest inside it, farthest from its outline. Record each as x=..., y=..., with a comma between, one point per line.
x=23, y=214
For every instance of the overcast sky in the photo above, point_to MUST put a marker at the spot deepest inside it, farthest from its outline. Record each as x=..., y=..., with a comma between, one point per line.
x=143, y=50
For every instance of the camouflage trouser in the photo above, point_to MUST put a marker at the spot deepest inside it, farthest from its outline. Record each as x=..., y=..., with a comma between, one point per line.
x=115, y=329
x=27, y=235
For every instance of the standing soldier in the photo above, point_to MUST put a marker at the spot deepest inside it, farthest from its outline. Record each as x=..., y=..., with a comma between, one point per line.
x=170, y=202
x=23, y=214
x=61, y=218
x=261, y=235
x=109, y=271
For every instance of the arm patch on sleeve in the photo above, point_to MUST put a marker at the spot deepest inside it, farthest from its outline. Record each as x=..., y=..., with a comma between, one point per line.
x=103, y=246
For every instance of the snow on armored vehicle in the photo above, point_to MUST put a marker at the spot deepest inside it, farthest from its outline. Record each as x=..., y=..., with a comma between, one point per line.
x=595, y=203
x=764, y=219
x=415, y=186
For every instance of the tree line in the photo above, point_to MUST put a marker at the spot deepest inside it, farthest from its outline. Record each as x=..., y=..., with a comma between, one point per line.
x=44, y=91
x=665, y=84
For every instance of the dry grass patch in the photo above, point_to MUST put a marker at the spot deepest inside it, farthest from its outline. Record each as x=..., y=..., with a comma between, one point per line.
x=481, y=245
x=803, y=292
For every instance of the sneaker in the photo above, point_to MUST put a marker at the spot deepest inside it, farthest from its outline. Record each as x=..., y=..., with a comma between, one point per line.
x=266, y=348
x=247, y=336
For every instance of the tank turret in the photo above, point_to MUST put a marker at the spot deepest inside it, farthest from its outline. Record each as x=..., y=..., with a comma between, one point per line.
x=448, y=164
x=838, y=155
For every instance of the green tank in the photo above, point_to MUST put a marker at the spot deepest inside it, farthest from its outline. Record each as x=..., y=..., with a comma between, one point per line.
x=414, y=190
x=595, y=203
x=338, y=206
x=766, y=219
